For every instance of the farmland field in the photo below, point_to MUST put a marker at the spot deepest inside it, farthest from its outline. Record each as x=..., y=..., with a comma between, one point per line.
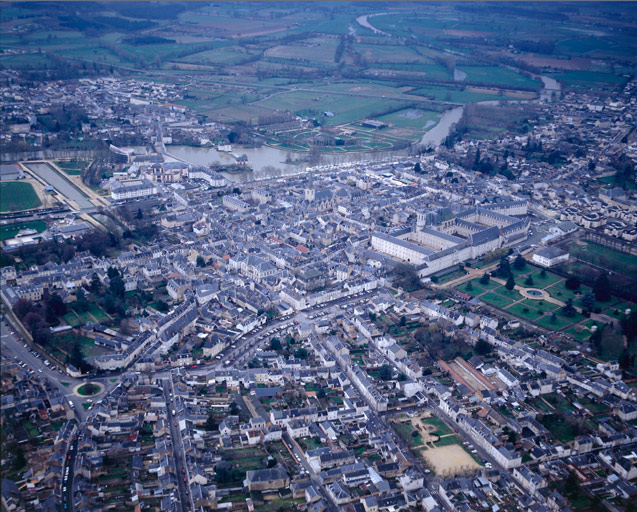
x=457, y=95
x=411, y=118
x=588, y=78
x=497, y=75
x=225, y=55
x=318, y=50
x=345, y=108
x=413, y=50
x=25, y=61
x=393, y=54
x=17, y=196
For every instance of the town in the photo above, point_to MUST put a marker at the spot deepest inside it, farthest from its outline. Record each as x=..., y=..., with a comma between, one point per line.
x=441, y=325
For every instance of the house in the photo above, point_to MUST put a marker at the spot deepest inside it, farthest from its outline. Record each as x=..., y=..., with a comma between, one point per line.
x=550, y=256
x=266, y=479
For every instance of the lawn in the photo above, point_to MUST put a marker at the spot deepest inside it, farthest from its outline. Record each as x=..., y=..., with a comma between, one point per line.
x=559, y=323
x=561, y=428
x=441, y=427
x=72, y=167
x=32, y=430
x=447, y=440
x=560, y=292
x=559, y=402
x=98, y=313
x=17, y=196
x=89, y=389
x=11, y=230
x=450, y=276
x=521, y=273
x=94, y=313
x=531, y=314
x=491, y=285
x=611, y=180
x=605, y=256
x=311, y=443
x=404, y=430
x=513, y=295
x=540, y=305
x=539, y=404
x=72, y=319
x=496, y=300
x=579, y=335
x=548, y=279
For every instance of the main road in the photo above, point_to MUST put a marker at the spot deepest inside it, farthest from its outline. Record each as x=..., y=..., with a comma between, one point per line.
x=185, y=502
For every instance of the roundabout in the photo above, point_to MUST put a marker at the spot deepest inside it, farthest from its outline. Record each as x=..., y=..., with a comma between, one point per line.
x=88, y=389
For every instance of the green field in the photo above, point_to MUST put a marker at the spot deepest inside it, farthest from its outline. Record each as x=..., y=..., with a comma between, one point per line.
x=393, y=54
x=497, y=75
x=26, y=61
x=414, y=118
x=456, y=95
x=16, y=196
x=297, y=46
x=226, y=55
x=346, y=109
x=11, y=230
x=319, y=50
x=589, y=78
x=615, y=46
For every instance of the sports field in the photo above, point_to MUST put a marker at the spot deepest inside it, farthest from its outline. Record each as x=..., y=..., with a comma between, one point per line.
x=16, y=196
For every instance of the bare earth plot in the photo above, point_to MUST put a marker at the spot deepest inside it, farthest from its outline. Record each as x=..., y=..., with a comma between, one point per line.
x=450, y=460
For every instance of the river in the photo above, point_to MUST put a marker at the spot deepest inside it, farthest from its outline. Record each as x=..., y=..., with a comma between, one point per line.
x=269, y=162
x=266, y=162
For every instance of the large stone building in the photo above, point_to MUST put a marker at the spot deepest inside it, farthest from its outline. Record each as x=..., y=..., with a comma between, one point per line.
x=441, y=239
x=132, y=189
